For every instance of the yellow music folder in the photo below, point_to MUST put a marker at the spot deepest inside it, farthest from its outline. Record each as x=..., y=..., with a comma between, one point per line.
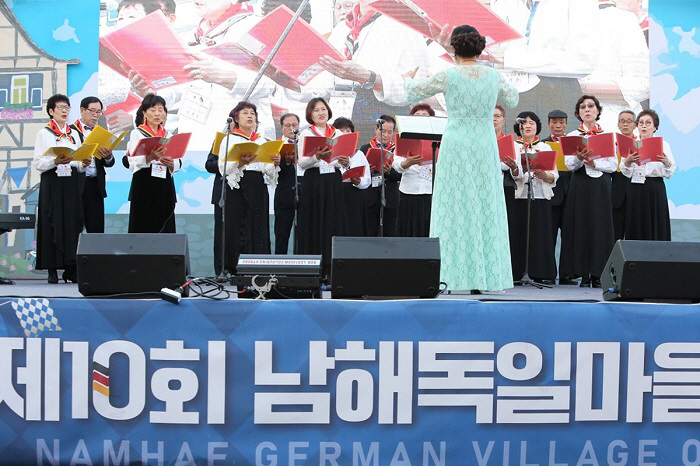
x=556, y=147
x=216, y=146
x=81, y=153
x=263, y=152
x=103, y=138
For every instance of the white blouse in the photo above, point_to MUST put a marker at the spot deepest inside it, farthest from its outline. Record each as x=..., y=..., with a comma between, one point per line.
x=45, y=139
x=416, y=179
x=651, y=169
x=540, y=188
x=234, y=173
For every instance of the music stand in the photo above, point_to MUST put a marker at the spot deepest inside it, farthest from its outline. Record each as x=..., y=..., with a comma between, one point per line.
x=422, y=127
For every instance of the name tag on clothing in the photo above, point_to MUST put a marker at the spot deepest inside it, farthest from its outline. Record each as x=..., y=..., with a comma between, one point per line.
x=426, y=173
x=376, y=181
x=593, y=172
x=325, y=168
x=158, y=170
x=63, y=170
x=638, y=176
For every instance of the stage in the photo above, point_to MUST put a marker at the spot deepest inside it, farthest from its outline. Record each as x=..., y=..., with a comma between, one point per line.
x=566, y=293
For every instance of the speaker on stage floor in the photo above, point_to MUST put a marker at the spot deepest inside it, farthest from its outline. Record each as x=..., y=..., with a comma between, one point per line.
x=112, y=264
x=652, y=270
x=385, y=267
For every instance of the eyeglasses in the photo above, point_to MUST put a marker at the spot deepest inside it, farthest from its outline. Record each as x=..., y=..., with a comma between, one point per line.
x=584, y=106
x=94, y=112
x=62, y=107
x=290, y=125
x=645, y=123
x=627, y=122
x=341, y=5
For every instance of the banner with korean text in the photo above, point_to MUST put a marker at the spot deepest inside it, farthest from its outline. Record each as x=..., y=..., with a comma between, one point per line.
x=311, y=382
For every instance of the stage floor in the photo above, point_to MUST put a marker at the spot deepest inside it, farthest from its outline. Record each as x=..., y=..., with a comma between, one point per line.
x=569, y=293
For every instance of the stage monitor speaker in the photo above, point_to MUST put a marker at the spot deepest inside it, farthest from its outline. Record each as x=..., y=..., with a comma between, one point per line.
x=112, y=264
x=385, y=267
x=652, y=270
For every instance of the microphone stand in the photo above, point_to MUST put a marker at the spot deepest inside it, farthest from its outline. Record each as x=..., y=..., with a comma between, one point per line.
x=296, y=190
x=382, y=203
x=434, y=145
x=526, y=280
x=222, y=278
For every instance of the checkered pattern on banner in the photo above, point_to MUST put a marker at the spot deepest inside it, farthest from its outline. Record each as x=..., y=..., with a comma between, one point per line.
x=35, y=315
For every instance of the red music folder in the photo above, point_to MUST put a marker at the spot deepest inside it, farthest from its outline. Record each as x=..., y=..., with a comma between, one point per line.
x=422, y=147
x=506, y=147
x=417, y=14
x=355, y=172
x=150, y=48
x=296, y=61
x=175, y=146
x=374, y=157
x=650, y=149
x=602, y=145
x=542, y=160
x=343, y=146
x=625, y=145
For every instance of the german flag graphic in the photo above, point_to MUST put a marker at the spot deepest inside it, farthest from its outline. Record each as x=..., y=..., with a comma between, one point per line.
x=100, y=378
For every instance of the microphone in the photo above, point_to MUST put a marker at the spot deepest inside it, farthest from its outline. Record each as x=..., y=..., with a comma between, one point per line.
x=228, y=125
x=380, y=122
x=520, y=121
x=295, y=131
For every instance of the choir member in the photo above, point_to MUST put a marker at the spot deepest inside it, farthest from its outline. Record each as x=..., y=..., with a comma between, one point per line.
x=422, y=109
x=355, y=216
x=152, y=193
x=510, y=170
x=415, y=191
x=647, y=205
x=373, y=194
x=284, y=192
x=588, y=234
x=541, y=265
x=94, y=189
x=557, y=121
x=620, y=183
x=247, y=228
x=60, y=211
x=321, y=215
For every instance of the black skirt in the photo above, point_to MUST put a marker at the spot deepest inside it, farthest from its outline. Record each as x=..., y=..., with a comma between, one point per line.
x=152, y=207
x=59, y=220
x=620, y=187
x=414, y=215
x=647, y=215
x=509, y=195
x=321, y=213
x=542, y=264
x=355, y=212
x=587, y=230
x=247, y=219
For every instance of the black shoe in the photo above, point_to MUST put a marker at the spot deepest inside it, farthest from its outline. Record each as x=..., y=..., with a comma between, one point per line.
x=475, y=292
x=53, y=276
x=585, y=282
x=6, y=281
x=567, y=281
x=70, y=275
x=595, y=282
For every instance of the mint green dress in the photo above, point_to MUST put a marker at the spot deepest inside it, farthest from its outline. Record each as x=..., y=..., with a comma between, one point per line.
x=469, y=211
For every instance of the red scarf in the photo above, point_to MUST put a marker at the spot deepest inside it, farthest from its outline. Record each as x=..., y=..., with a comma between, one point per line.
x=240, y=132
x=80, y=127
x=355, y=22
x=502, y=135
x=147, y=129
x=53, y=127
x=529, y=145
x=205, y=26
x=554, y=138
x=330, y=131
x=374, y=142
x=585, y=132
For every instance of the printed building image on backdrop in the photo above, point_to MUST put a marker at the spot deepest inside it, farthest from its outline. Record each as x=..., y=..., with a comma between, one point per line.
x=203, y=57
